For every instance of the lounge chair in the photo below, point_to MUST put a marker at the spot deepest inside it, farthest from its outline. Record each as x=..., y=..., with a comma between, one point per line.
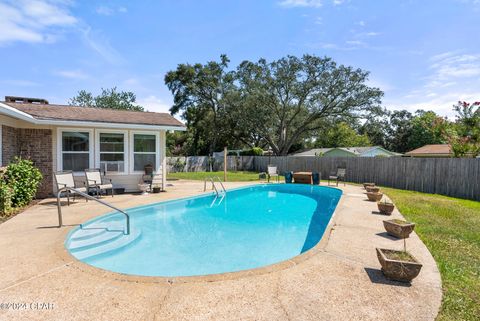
x=96, y=182
x=340, y=176
x=65, y=179
x=272, y=172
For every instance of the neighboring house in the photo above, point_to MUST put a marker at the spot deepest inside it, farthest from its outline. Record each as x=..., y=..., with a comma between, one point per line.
x=438, y=150
x=59, y=137
x=370, y=151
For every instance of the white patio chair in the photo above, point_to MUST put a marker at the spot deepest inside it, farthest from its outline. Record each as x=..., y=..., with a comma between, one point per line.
x=97, y=182
x=65, y=179
x=340, y=176
x=272, y=172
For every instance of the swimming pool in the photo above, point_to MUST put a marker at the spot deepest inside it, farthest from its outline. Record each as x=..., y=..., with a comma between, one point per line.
x=248, y=228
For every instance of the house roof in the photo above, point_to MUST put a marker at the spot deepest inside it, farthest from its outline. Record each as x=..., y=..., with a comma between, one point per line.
x=312, y=152
x=356, y=150
x=434, y=150
x=50, y=112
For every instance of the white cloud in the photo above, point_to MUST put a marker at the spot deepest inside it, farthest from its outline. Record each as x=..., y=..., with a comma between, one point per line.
x=355, y=42
x=450, y=67
x=100, y=44
x=154, y=103
x=453, y=76
x=71, y=74
x=338, y=2
x=301, y=3
x=105, y=11
x=108, y=11
x=441, y=103
x=33, y=21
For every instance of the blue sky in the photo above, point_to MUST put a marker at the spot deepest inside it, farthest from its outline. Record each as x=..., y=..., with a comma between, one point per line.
x=422, y=54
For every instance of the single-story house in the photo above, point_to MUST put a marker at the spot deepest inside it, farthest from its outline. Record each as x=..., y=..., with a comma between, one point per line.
x=435, y=150
x=60, y=137
x=369, y=151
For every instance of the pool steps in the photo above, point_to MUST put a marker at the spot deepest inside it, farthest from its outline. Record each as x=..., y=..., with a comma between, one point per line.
x=97, y=239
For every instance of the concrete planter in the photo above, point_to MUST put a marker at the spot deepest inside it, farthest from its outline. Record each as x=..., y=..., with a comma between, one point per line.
x=385, y=208
x=374, y=197
x=368, y=184
x=398, y=228
x=398, y=270
x=373, y=189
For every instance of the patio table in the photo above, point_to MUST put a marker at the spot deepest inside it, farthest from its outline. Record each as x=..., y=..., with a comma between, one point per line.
x=303, y=177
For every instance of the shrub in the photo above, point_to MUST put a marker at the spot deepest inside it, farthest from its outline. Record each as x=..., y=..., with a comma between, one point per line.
x=255, y=151
x=6, y=194
x=23, y=178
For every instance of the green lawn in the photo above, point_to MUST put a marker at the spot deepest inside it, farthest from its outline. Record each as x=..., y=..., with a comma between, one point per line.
x=231, y=176
x=450, y=228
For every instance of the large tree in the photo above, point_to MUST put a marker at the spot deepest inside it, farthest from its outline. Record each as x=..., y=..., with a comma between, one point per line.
x=109, y=98
x=286, y=100
x=199, y=93
x=427, y=128
x=276, y=104
x=340, y=135
x=375, y=128
x=465, y=138
x=399, y=131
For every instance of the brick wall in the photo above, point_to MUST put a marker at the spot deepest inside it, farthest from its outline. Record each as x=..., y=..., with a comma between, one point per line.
x=9, y=144
x=33, y=144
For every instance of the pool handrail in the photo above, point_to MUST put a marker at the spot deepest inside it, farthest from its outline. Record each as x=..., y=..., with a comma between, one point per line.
x=67, y=189
x=218, y=179
x=212, y=180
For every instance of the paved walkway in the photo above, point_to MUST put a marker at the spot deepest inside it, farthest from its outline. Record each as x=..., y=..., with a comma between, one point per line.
x=339, y=279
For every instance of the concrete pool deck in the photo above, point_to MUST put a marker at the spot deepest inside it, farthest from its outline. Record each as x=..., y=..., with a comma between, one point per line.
x=339, y=279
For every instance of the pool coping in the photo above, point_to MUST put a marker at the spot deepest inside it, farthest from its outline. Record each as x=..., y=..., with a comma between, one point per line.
x=61, y=251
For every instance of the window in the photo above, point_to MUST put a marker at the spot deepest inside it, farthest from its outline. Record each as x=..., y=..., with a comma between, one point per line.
x=112, y=152
x=75, y=151
x=144, y=151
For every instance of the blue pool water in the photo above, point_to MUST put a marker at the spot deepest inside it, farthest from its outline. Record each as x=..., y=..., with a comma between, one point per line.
x=248, y=228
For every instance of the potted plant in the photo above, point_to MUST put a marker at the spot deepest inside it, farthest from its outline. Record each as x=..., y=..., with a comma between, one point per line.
x=385, y=207
x=399, y=228
x=368, y=184
x=398, y=265
x=374, y=196
x=374, y=189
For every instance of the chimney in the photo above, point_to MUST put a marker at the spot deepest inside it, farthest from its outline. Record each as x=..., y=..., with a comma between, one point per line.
x=25, y=100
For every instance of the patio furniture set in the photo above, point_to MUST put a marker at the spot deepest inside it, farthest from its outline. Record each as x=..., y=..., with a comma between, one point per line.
x=96, y=184
x=312, y=178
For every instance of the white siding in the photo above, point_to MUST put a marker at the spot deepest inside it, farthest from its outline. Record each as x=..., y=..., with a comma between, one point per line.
x=128, y=180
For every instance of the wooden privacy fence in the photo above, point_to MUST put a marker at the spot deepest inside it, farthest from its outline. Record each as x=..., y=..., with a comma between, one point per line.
x=457, y=177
